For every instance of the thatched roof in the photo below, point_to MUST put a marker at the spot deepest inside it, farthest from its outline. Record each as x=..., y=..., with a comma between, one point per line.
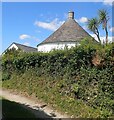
x=70, y=31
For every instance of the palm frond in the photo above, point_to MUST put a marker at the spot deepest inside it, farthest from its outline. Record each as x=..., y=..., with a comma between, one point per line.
x=103, y=16
x=92, y=24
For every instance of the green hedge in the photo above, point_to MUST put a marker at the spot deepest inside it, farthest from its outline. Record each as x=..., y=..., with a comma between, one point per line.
x=80, y=77
x=54, y=62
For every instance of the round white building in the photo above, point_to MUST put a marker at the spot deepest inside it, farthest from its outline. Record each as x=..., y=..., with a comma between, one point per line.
x=69, y=34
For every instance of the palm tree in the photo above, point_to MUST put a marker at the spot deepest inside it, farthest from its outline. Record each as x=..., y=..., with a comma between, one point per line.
x=93, y=25
x=103, y=19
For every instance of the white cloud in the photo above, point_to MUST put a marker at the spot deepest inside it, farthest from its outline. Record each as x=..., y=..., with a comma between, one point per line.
x=76, y=20
x=27, y=44
x=35, y=38
x=112, y=29
x=94, y=36
x=110, y=38
x=83, y=20
x=53, y=25
x=37, y=31
x=85, y=27
x=108, y=2
x=24, y=36
x=65, y=15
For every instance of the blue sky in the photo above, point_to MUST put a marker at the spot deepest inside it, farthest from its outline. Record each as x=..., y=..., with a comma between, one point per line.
x=30, y=23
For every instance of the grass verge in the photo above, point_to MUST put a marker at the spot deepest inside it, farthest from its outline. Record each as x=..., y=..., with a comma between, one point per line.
x=49, y=91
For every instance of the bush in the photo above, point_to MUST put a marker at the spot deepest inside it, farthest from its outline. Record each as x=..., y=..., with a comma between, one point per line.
x=5, y=76
x=72, y=72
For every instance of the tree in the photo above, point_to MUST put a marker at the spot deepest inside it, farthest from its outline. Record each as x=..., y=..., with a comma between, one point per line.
x=93, y=25
x=103, y=19
x=11, y=54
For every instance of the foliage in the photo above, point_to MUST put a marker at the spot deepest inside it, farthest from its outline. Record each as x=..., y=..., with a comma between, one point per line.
x=94, y=23
x=11, y=53
x=103, y=19
x=70, y=78
x=5, y=76
x=50, y=91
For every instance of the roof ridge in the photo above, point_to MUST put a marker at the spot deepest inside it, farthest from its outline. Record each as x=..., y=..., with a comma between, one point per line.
x=83, y=28
x=23, y=45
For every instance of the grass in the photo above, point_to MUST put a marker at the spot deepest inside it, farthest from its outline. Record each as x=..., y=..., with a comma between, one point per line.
x=12, y=109
x=49, y=91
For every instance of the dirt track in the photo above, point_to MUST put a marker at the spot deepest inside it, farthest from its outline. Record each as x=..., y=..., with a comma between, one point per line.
x=39, y=109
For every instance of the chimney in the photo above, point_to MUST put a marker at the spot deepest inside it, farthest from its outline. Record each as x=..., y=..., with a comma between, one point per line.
x=70, y=15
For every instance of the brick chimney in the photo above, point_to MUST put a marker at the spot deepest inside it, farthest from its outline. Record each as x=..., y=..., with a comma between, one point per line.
x=70, y=15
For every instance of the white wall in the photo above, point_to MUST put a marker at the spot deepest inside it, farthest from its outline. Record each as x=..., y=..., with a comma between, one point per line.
x=50, y=46
x=13, y=46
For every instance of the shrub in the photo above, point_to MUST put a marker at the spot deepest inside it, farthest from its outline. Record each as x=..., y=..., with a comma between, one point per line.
x=5, y=76
x=72, y=73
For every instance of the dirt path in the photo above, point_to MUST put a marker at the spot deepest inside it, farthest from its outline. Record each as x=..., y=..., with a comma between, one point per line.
x=40, y=110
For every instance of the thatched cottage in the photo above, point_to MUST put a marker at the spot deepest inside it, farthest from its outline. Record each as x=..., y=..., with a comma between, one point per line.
x=69, y=34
